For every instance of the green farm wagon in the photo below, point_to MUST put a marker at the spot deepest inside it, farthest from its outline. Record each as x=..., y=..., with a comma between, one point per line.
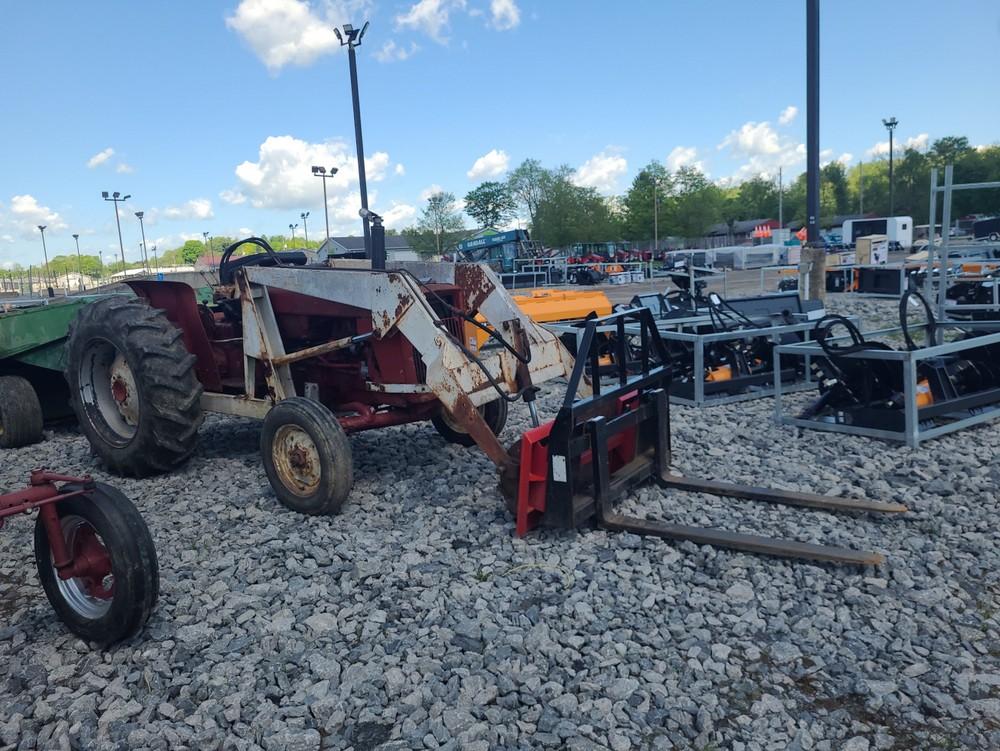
x=32, y=359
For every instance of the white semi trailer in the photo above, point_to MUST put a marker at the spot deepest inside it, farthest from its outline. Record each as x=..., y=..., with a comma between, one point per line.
x=899, y=230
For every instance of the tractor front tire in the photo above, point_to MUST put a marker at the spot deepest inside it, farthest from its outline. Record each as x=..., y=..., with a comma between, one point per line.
x=20, y=413
x=307, y=457
x=494, y=413
x=113, y=597
x=133, y=386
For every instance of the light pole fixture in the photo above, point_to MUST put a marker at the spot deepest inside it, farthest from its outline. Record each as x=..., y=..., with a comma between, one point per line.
x=890, y=125
x=351, y=38
x=322, y=172
x=79, y=261
x=208, y=244
x=139, y=215
x=117, y=198
x=292, y=228
x=305, y=226
x=45, y=252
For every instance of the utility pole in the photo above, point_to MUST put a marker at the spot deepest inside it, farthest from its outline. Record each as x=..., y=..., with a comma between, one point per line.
x=861, y=187
x=79, y=262
x=142, y=229
x=352, y=41
x=305, y=226
x=890, y=125
x=321, y=172
x=781, y=201
x=656, y=219
x=156, y=260
x=117, y=197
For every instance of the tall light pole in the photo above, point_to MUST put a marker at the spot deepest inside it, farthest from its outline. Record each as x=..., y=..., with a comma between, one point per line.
x=142, y=229
x=79, y=260
x=890, y=125
x=321, y=172
x=305, y=227
x=292, y=228
x=156, y=261
x=351, y=38
x=812, y=263
x=117, y=198
x=45, y=252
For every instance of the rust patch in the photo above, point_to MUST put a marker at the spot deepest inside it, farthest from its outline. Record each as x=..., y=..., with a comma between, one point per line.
x=405, y=300
x=475, y=282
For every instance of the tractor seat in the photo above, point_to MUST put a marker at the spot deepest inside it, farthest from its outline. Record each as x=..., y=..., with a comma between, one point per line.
x=227, y=270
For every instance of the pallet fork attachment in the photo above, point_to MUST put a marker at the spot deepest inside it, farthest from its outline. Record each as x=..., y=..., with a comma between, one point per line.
x=576, y=467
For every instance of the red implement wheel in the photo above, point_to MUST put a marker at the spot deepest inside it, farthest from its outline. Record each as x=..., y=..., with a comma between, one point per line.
x=115, y=579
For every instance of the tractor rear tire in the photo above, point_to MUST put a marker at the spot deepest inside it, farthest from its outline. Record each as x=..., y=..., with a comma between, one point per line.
x=494, y=413
x=20, y=413
x=133, y=386
x=307, y=457
x=105, y=529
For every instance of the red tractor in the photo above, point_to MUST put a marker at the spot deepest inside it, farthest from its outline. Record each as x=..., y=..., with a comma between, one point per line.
x=322, y=350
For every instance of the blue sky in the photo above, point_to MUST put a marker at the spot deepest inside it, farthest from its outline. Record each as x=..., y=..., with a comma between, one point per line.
x=211, y=113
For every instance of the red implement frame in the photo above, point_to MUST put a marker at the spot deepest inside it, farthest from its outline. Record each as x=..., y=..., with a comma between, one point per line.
x=41, y=493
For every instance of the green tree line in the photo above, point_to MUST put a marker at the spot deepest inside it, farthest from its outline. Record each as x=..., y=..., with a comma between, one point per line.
x=688, y=203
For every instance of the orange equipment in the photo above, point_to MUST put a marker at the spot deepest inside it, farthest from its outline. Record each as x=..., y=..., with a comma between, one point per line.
x=549, y=306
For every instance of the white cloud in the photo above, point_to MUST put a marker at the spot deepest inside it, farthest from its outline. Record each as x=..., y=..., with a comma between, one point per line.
x=684, y=156
x=392, y=52
x=124, y=169
x=232, y=197
x=846, y=158
x=292, y=32
x=788, y=114
x=399, y=169
x=26, y=214
x=506, y=14
x=601, y=171
x=281, y=177
x=100, y=157
x=431, y=17
x=881, y=148
x=763, y=149
x=196, y=208
x=491, y=164
x=398, y=215
x=430, y=190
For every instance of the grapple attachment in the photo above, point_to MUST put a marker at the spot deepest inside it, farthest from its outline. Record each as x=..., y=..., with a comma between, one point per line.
x=575, y=468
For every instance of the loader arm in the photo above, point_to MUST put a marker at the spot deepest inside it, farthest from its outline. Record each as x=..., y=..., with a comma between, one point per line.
x=461, y=379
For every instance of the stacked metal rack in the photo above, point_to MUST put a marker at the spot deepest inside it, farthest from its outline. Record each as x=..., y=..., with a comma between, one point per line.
x=908, y=395
x=723, y=351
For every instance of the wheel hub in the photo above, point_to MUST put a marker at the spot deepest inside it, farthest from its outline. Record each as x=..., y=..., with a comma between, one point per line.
x=90, y=586
x=296, y=460
x=123, y=390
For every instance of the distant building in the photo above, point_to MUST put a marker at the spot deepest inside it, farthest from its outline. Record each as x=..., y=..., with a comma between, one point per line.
x=722, y=235
x=396, y=248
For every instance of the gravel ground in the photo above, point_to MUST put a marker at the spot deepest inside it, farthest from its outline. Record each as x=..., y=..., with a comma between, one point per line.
x=416, y=620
